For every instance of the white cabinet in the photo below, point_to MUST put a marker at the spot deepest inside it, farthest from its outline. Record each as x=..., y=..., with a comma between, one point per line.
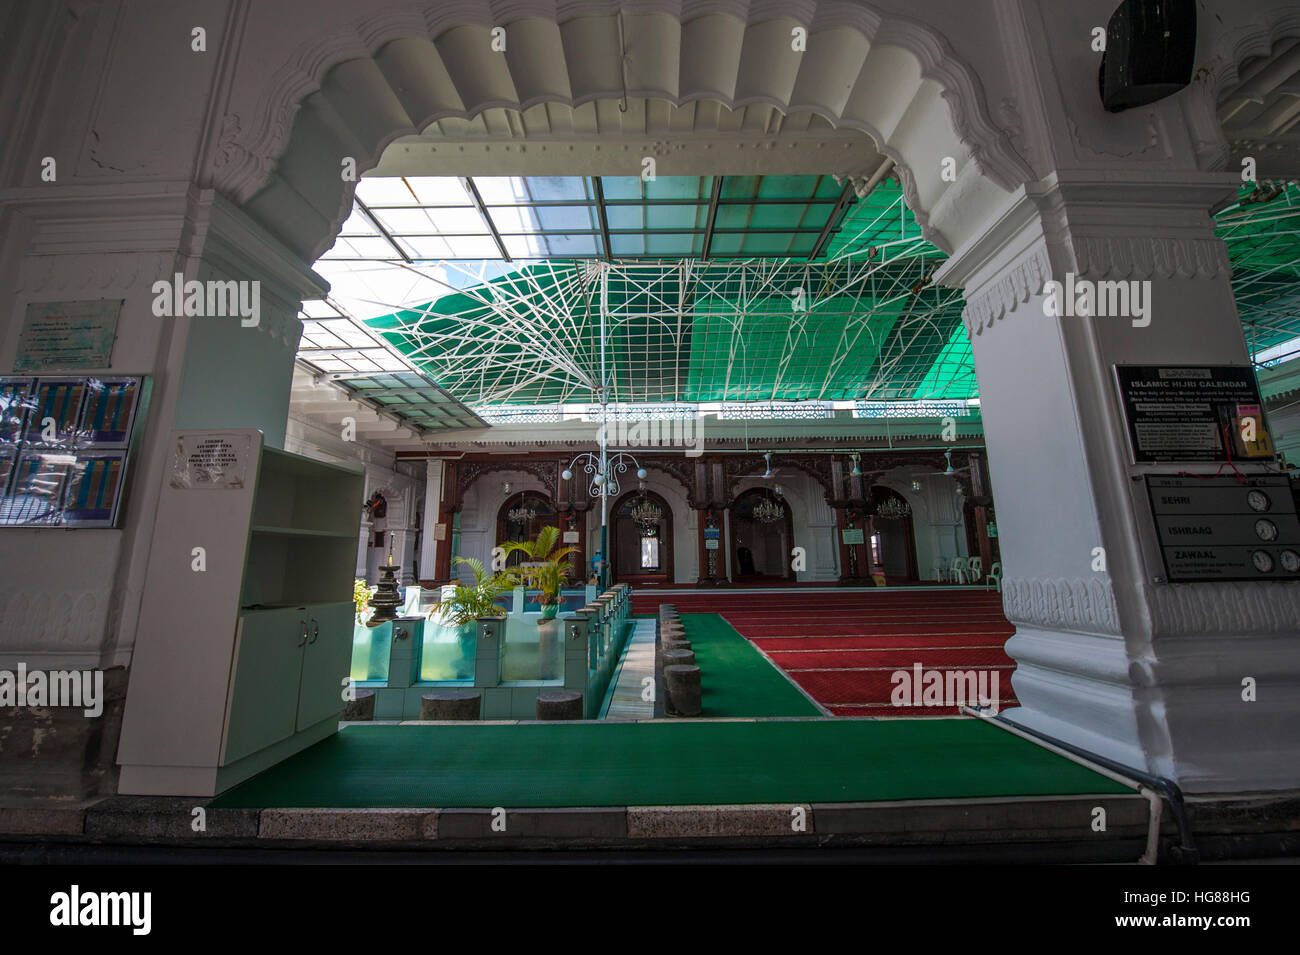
x=240, y=664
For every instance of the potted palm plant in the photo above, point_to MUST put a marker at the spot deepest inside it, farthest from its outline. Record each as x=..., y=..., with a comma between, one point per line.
x=467, y=602
x=545, y=569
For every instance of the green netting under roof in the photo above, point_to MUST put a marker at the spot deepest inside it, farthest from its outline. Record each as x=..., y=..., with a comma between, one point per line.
x=1262, y=233
x=685, y=331
x=873, y=327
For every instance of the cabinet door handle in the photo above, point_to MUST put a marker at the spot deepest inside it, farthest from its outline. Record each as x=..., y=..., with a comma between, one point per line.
x=315, y=630
x=303, y=641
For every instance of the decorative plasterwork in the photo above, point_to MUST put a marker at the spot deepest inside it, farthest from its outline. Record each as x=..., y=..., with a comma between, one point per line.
x=1144, y=257
x=1153, y=130
x=680, y=470
x=92, y=273
x=1015, y=286
x=1229, y=609
x=1220, y=72
x=1083, y=604
x=468, y=472
x=249, y=147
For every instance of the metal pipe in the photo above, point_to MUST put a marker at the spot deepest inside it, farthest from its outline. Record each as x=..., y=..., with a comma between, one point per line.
x=1185, y=852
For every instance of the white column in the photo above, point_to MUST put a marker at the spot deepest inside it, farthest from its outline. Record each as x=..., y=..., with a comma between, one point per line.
x=1110, y=656
x=433, y=481
x=363, y=549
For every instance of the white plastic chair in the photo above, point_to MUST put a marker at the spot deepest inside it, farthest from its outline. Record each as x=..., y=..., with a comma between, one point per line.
x=940, y=572
x=974, y=566
x=958, y=570
x=995, y=575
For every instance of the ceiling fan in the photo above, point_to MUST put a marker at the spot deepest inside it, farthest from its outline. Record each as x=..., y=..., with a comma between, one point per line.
x=857, y=470
x=769, y=472
x=950, y=471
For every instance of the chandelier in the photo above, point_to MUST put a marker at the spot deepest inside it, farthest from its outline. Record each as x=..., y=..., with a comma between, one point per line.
x=893, y=509
x=768, y=512
x=521, y=515
x=647, y=515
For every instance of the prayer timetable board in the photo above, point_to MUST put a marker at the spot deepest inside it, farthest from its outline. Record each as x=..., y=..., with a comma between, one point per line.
x=1226, y=528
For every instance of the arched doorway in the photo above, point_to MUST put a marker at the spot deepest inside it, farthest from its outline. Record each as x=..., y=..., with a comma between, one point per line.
x=762, y=533
x=892, y=538
x=522, y=517
x=641, y=539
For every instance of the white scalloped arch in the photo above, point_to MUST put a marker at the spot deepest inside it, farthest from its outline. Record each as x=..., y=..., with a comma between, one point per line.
x=392, y=73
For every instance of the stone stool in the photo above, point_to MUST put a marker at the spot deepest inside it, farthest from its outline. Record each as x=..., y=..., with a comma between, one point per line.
x=679, y=657
x=362, y=708
x=675, y=645
x=559, y=705
x=450, y=705
x=684, y=693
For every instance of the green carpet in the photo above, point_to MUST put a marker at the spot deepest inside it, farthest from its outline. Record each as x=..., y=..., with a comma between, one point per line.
x=663, y=763
x=736, y=679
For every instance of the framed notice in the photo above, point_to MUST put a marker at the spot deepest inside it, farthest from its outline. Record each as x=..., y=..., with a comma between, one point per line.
x=108, y=415
x=68, y=335
x=15, y=404
x=36, y=489
x=212, y=460
x=852, y=535
x=94, y=485
x=8, y=459
x=55, y=410
x=65, y=442
x=1205, y=413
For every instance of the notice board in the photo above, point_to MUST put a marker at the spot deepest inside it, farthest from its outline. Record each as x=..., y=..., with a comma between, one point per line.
x=1190, y=414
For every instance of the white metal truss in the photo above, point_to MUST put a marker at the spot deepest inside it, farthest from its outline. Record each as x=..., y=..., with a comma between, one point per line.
x=747, y=330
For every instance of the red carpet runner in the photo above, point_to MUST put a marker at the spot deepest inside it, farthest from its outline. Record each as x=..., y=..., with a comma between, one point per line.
x=844, y=647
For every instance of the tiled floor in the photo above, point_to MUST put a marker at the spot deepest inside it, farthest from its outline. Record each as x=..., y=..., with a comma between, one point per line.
x=638, y=663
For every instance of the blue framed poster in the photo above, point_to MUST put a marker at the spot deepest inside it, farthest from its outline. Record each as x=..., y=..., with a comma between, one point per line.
x=65, y=446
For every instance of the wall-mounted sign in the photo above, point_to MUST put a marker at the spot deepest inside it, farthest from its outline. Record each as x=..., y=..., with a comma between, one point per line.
x=64, y=448
x=852, y=535
x=570, y=537
x=211, y=459
x=711, y=543
x=59, y=335
x=1202, y=413
x=1225, y=528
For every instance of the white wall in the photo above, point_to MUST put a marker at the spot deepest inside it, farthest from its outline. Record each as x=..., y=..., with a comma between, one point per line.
x=937, y=520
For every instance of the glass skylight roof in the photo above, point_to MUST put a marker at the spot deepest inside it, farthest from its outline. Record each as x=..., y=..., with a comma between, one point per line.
x=545, y=217
x=493, y=288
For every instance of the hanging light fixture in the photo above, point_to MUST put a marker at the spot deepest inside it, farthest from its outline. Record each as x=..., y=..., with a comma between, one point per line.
x=525, y=513
x=646, y=514
x=768, y=512
x=894, y=508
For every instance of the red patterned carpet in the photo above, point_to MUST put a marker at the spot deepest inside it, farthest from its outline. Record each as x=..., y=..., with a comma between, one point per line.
x=843, y=647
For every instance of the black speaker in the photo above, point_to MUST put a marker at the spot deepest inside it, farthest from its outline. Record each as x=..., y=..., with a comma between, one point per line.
x=1150, y=52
